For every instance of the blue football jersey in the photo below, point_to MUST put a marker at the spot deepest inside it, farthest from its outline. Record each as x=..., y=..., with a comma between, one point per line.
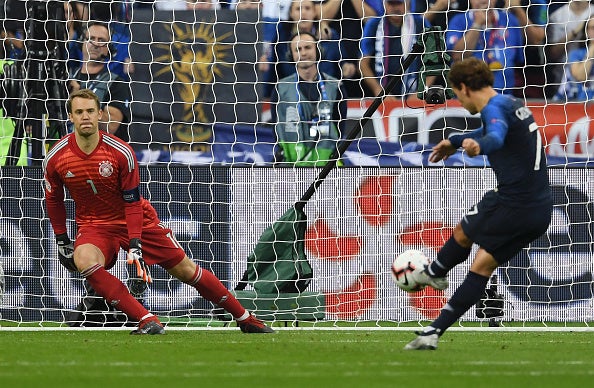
x=512, y=142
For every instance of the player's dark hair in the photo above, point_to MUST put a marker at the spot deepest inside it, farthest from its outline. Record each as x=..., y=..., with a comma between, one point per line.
x=472, y=72
x=93, y=24
x=290, y=57
x=85, y=35
x=82, y=93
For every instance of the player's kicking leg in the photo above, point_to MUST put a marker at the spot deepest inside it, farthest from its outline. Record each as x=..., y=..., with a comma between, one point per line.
x=439, y=283
x=455, y=250
x=426, y=340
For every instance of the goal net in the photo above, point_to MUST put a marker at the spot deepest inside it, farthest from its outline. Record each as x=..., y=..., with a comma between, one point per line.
x=201, y=123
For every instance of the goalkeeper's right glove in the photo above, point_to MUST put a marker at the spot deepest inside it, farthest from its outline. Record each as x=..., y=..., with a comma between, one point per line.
x=66, y=252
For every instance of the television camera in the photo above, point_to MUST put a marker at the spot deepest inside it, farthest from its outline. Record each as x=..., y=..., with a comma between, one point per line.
x=435, y=65
x=33, y=88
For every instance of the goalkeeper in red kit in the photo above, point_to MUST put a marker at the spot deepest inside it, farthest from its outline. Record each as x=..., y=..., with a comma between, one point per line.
x=101, y=174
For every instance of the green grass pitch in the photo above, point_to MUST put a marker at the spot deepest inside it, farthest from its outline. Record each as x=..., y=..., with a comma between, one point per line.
x=293, y=358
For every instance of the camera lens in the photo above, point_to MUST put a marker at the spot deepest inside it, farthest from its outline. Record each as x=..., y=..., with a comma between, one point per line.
x=435, y=95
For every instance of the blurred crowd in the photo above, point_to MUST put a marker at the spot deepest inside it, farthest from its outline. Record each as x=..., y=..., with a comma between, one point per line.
x=536, y=48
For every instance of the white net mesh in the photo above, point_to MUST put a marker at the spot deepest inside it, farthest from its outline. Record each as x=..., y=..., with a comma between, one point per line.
x=200, y=113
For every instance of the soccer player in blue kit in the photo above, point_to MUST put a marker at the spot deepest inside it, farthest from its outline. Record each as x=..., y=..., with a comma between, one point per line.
x=507, y=218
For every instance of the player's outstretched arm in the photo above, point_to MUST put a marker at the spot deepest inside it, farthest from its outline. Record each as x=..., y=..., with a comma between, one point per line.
x=442, y=151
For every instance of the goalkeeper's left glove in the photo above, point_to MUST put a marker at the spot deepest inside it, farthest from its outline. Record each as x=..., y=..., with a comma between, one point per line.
x=135, y=258
x=66, y=252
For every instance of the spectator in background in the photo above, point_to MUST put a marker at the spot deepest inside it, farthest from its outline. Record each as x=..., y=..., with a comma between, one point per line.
x=143, y=4
x=440, y=12
x=204, y=4
x=309, y=107
x=386, y=42
x=7, y=124
x=118, y=14
x=491, y=34
x=532, y=17
x=11, y=49
x=246, y=4
x=349, y=17
x=12, y=34
x=336, y=10
x=119, y=21
x=273, y=13
x=93, y=73
x=578, y=81
x=303, y=18
x=169, y=5
x=76, y=13
x=562, y=32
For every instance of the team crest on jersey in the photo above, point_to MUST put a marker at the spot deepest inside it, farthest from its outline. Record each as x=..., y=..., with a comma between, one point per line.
x=105, y=169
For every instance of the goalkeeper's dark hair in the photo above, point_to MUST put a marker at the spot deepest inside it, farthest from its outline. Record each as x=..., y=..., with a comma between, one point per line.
x=82, y=93
x=472, y=72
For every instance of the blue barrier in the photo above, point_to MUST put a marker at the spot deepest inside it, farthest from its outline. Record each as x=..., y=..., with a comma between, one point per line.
x=241, y=145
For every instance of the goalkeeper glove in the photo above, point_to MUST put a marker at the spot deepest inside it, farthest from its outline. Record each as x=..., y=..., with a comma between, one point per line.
x=66, y=252
x=135, y=258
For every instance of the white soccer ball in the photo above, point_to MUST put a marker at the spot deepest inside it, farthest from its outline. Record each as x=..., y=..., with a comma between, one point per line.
x=406, y=267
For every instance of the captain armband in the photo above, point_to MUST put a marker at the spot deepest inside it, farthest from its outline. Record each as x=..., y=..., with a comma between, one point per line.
x=131, y=196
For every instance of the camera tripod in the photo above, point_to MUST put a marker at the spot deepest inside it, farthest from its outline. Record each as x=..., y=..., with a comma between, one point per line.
x=39, y=82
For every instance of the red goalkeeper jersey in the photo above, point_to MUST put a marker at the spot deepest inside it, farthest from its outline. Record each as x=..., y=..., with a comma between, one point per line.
x=96, y=183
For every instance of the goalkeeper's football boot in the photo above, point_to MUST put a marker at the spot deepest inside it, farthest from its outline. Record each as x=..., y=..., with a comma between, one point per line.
x=149, y=326
x=425, y=279
x=254, y=325
x=424, y=341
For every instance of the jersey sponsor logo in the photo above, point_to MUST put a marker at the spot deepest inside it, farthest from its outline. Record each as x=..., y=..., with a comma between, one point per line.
x=105, y=169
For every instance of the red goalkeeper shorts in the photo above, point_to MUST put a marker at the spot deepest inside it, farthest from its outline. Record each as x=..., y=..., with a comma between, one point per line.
x=159, y=246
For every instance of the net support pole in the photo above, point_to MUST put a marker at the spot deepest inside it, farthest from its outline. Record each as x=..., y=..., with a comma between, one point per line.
x=417, y=49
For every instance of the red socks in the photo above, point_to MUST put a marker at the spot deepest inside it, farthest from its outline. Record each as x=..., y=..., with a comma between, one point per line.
x=117, y=295
x=211, y=288
x=114, y=292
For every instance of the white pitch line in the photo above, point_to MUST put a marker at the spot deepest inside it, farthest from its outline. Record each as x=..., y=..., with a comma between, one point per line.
x=409, y=329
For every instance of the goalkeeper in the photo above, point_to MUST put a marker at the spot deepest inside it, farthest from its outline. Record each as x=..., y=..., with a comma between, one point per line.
x=507, y=218
x=101, y=174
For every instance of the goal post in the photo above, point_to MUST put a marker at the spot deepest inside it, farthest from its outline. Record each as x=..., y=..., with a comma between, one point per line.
x=200, y=127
